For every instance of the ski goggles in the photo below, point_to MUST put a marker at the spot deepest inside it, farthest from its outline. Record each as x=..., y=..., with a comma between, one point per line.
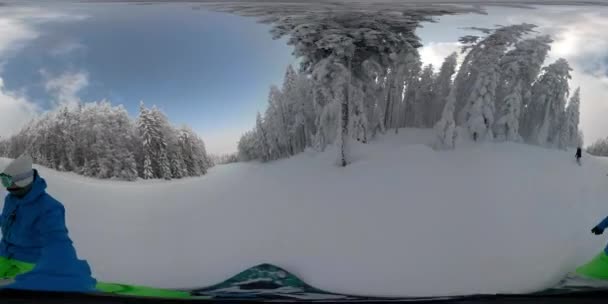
x=8, y=180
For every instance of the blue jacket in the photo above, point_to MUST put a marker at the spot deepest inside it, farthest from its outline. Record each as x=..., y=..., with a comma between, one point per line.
x=34, y=231
x=603, y=224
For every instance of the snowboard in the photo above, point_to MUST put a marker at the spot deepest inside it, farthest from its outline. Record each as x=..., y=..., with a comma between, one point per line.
x=592, y=275
x=271, y=283
x=262, y=282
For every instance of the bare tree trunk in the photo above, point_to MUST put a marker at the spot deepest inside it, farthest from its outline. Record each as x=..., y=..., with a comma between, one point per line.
x=344, y=132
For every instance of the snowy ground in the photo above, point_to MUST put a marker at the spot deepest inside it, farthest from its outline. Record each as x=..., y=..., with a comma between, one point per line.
x=401, y=220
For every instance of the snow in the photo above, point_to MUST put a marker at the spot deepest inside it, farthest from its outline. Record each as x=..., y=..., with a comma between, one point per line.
x=401, y=220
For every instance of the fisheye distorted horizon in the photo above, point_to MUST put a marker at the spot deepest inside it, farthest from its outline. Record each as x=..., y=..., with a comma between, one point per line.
x=212, y=70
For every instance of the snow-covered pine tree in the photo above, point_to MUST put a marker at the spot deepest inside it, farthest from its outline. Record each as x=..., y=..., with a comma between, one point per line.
x=562, y=138
x=333, y=36
x=407, y=77
x=549, y=94
x=327, y=130
x=572, y=119
x=275, y=125
x=507, y=124
x=100, y=140
x=358, y=121
x=372, y=82
x=441, y=87
x=445, y=128
x=201, y=153
x=482, y=65
x=245, y=147
x=336, y=77
x=424, y=97
x=148, y=133
x=164, y=129
x=288, y=105
x=187, y=148
x=303, y=128
x=121, y=131
x=599, y=147
x=148, y=170
x=262, y=139
x=521, y=66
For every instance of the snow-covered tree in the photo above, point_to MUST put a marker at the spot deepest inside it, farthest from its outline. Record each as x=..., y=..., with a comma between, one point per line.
x=359, y=125
x=519, y=69
x=521, y=66
x=342, y=42
x=262, y=144
x=161, y=143
x=303, y=128
x=150, y=133
x=327, y=130
x=247, y=147
x=337, y=79
x=148, y=172
x=445, y=128
x=599, y=148
x=277, y=124
x=406, y=76
x=424, y=97
x=507, y=124
x=572, y=119
x=372, y=86
x=193, y=152
x=441, y=87
x=549, y=95
x=100, y=140
x=478, y=78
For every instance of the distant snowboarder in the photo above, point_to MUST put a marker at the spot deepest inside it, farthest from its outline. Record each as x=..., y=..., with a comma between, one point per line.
x=579, y=154
x=36, y=252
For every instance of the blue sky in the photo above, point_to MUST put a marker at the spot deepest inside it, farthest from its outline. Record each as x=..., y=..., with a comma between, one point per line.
x=209, y=70
x=212, y=71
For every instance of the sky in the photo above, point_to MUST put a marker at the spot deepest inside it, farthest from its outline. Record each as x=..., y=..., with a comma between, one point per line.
x=212, y=71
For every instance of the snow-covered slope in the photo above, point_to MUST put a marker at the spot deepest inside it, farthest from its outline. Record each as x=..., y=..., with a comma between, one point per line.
x=401, y=220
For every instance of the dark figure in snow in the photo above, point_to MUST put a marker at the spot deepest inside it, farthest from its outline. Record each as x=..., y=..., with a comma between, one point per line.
x=579, y=154
x=36, y=252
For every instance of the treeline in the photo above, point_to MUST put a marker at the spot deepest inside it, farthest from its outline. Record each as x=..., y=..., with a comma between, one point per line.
x=355, y=83
x=599, y=148
x=100, y=140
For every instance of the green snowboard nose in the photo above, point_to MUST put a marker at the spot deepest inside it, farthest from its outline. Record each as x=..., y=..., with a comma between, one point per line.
x=597, y=268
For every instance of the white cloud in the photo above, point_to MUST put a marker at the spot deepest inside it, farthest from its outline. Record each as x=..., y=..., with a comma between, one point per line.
x=16, y=30
x=13, y=34
x=17, y=26
x=66, y=86
x=15, y=111
x=65, y=48
x=435, y=52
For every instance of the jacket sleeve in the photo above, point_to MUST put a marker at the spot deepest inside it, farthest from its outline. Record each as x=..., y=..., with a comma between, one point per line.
x=603, y=224
x=58, y=268
x=57, y=251
x=51, y=226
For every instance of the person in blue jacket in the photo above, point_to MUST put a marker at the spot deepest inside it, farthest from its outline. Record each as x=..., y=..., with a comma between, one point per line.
x=36, y=252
